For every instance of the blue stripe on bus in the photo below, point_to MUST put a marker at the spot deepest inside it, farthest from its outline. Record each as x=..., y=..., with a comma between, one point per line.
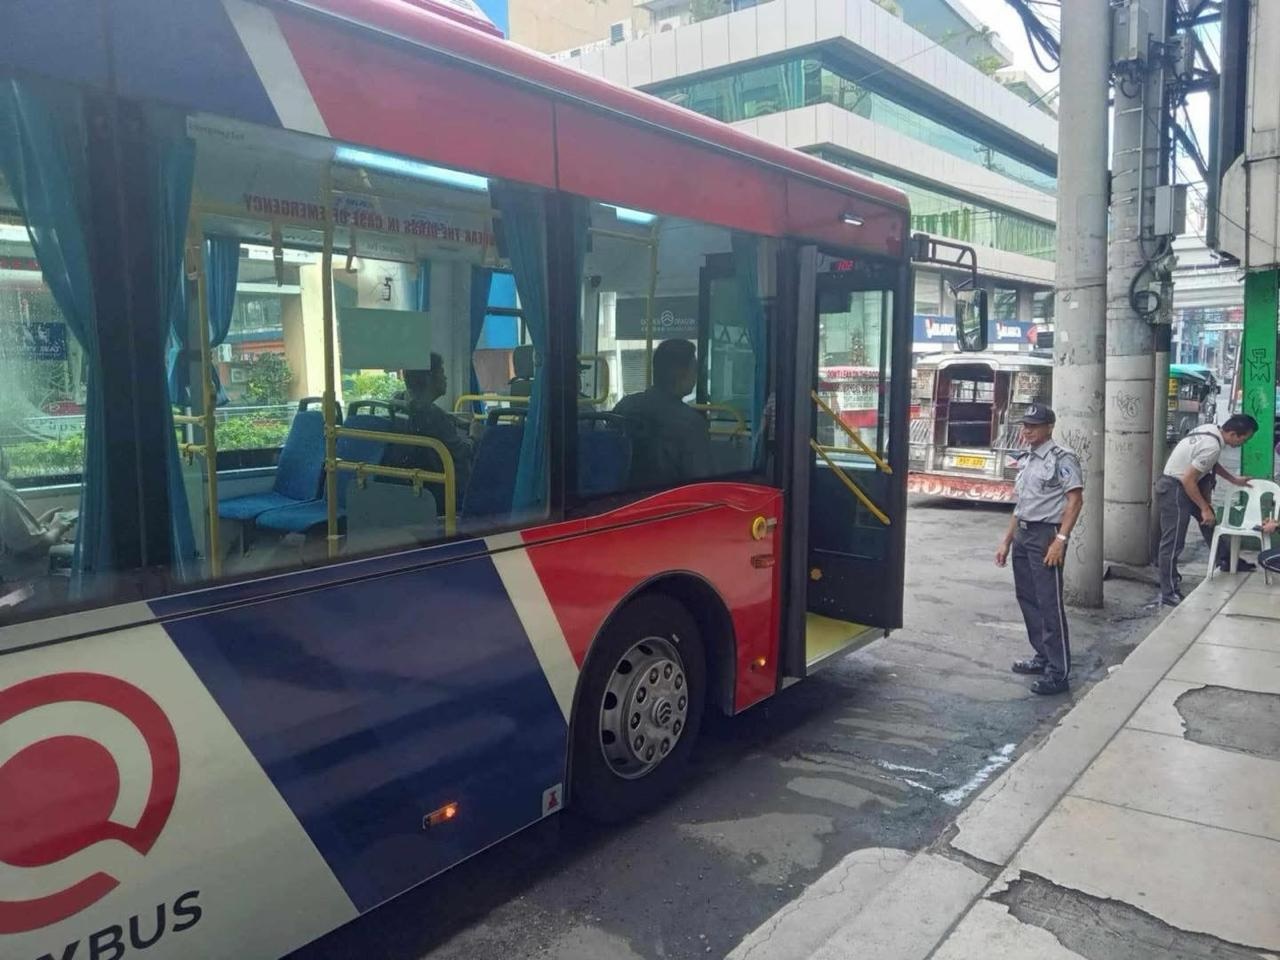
x=61, y=38
x=187, y=52
x=325, y=575
x=372, y=704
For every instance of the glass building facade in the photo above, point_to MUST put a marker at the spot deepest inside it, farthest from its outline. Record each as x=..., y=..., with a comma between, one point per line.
x=963, y=219
x=809, y=80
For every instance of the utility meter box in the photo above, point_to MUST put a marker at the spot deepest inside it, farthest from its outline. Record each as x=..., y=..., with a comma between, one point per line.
x=1170, y=218
x=1132, y=34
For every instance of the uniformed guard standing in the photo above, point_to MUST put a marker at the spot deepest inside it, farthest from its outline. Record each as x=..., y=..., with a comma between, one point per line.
x=1048, y=497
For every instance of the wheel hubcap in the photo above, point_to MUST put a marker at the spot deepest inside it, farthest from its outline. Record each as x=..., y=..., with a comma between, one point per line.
x=645, y=708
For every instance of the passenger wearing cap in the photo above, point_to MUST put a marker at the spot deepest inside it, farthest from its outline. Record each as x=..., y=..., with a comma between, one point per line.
x=1049, y=494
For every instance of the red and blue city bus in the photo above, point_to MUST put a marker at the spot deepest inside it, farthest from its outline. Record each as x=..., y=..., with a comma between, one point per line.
x=328, y=561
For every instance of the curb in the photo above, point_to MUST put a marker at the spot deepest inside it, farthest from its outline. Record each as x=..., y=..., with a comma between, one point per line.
x=921, y=903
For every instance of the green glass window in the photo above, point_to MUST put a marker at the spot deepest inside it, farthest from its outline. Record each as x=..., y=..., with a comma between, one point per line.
x=800, y=82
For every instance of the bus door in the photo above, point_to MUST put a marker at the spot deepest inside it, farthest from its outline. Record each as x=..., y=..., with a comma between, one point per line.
x=855, y=426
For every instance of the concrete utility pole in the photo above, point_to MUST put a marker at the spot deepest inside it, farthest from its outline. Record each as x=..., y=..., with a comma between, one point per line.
x=1130, y=386
x=1160, y=412
x=1079, y=339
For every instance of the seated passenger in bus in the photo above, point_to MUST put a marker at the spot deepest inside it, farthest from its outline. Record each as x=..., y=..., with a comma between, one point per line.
x=671, y=441
x=25, y=539
x=422, y=389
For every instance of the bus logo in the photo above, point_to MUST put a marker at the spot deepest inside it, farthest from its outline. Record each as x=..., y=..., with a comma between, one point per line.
x=60, y=792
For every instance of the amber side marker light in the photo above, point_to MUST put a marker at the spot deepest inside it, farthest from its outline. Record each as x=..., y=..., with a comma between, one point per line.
x=442, y=816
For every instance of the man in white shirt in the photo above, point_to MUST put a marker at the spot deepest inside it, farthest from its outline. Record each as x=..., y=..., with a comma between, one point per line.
x=1184, y=490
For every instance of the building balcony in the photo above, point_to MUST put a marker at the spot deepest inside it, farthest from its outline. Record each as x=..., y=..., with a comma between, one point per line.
x=825, y=125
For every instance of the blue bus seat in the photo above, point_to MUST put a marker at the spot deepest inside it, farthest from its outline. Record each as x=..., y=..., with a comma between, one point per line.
x=524, y=365
x=301, y=517
x=297, y=472
x=493, y=471
x=604, y=461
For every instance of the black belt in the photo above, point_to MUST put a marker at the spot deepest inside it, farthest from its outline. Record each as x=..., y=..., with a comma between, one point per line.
x=1032, y=524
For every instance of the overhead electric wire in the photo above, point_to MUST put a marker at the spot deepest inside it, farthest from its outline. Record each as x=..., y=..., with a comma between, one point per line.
x=1039, y=37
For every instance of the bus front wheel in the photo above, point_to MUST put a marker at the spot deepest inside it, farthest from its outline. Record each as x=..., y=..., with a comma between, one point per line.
x=640, y=710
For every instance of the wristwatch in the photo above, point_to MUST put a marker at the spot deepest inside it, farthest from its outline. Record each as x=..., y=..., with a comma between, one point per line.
x=1061, y=537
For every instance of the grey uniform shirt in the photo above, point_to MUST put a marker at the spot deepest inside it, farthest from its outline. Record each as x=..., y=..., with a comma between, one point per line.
x=1048, y=474
x=1201, y=448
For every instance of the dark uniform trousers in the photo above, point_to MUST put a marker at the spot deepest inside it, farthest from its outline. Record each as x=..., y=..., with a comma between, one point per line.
x=1176, y=511
x=1039, y=591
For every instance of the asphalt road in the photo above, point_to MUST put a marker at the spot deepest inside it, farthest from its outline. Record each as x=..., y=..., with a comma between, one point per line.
x=881, y=749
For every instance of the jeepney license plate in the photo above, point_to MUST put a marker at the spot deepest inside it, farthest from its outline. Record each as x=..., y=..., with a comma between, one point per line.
x=977, y=463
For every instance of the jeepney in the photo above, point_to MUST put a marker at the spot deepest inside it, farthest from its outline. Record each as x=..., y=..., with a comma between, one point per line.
x=967, y=417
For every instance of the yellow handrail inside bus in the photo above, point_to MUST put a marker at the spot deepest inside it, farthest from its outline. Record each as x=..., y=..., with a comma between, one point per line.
x=330, y=391
x=853, y=487
x=447, y=476
x=740, y=422
x=206, y=420
x=853, y=434
x=651, y=240
x=467, y=398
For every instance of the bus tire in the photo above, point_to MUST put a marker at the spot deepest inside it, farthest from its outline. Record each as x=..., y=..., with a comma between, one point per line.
x=640, y=710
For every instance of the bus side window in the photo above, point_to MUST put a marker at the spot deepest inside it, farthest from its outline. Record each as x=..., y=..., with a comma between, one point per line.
x=674, y=332
x=51, y=381
x=300, y=251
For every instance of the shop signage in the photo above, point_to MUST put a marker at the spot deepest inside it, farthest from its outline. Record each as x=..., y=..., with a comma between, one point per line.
x=930, y=328
x=674, y=318
x=34, y=341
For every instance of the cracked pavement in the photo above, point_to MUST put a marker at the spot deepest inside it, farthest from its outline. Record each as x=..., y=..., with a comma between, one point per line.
x=857, y=760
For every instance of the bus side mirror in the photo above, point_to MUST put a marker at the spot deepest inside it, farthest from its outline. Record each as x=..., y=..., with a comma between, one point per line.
x=971, y=320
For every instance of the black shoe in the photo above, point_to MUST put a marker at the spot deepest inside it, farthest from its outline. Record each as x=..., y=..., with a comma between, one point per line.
x=1030, y=665
x=1171, y=599
x=1242, y=566
x=1047, y=686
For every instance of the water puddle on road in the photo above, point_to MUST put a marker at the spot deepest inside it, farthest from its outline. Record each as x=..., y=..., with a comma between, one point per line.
x=997, y=761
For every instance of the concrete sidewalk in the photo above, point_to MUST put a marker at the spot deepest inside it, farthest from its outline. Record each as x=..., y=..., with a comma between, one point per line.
x=1147, y=825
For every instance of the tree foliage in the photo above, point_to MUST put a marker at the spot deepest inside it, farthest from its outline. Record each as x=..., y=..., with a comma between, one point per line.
x=371, y=385
x=268, y=380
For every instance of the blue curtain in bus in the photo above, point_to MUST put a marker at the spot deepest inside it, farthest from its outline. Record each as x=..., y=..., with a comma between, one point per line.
x=175, y=365
x=481, y=284
x=173, y=168
x=523, y=215
x=746, y=272
x=41, y=155
x=221, y=273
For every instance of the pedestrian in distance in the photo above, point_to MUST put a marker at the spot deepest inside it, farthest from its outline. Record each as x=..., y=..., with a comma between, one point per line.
x=1048, y=497
x=1184, y=493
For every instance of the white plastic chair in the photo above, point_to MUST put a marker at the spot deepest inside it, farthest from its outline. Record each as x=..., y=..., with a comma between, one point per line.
x=1253, y=517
